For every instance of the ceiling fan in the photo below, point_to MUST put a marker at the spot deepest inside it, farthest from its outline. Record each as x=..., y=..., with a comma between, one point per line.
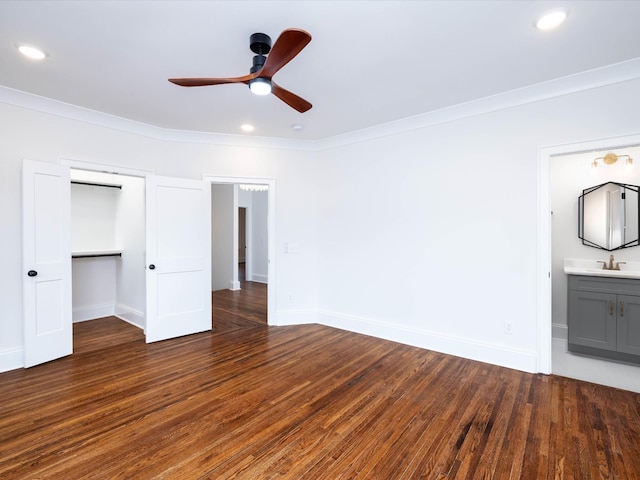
x=266, y=64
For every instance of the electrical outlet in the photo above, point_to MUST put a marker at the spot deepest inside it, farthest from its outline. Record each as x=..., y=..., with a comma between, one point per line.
x=291, y=298
x=508, y=327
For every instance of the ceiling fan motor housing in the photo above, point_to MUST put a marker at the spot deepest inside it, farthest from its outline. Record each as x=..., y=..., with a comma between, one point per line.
x=259, y=43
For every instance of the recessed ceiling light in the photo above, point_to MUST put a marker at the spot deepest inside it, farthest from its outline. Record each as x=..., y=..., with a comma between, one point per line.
x=551, y=20
x=297, y=127
x=29, y=51
x=247, y=127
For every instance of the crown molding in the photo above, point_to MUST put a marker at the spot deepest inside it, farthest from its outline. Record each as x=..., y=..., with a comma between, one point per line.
x=590, y=79
x=587, y=80
x=38, y=103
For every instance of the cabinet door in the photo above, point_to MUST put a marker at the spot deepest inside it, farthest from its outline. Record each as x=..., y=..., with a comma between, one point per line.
x=629, y=324
x=592, y=319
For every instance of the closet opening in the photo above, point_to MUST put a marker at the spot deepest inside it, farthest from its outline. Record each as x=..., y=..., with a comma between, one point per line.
x=108, y=246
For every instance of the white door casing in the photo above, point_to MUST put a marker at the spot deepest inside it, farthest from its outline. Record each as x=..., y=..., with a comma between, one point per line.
x=46, y=280
x=178, y=266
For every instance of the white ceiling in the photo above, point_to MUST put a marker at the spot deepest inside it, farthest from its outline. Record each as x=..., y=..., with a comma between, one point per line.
x=369, y=63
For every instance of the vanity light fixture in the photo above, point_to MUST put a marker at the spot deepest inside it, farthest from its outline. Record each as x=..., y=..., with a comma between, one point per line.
x=551, y=20
x=254, y=188
x=611, y=158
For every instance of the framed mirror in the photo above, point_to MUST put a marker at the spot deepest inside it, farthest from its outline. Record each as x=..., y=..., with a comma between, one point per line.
x=609, y=216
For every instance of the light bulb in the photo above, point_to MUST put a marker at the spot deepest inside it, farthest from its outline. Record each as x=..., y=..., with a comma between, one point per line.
x=260, y=86
x=31, y=52
x=551, y=20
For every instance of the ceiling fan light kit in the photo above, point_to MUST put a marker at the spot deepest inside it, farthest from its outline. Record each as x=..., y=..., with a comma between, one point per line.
x=266, y=63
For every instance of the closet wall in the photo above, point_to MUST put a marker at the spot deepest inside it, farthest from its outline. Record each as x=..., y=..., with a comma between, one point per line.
x=105, y=221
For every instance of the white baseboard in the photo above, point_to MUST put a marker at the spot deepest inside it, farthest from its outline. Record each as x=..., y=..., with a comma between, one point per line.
x=594, y=370
x=294, y=317
x=91, y=312
x=256, y=277
x=558, y=330
x=523, y=360
x=234, y=285
x=11, y=359
x=130, y=315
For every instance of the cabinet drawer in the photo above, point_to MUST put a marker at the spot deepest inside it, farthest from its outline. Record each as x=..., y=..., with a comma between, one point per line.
x=624, y=286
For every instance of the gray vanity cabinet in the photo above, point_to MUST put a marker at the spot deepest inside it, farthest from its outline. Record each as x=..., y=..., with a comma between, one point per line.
x=604, y=317
x=629, y=325
x=592, y=319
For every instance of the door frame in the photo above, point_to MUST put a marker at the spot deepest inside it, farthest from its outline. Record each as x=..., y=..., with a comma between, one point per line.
x=103, y=168
x=271, y=233
x=544, y=288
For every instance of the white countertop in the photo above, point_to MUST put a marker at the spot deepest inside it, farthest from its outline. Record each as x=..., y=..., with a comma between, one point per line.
x=576, y=266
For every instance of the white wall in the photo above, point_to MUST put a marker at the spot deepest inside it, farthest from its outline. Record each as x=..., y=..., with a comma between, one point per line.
x=223, y=251
x=93, y=216
x=130, y=238
x=93, y=283
x=428, y=236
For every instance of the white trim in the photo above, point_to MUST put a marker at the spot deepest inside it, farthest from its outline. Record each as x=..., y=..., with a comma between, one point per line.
x=296, y=317
x=103, y=168
x=271, y=235
x=38, y=103
x=130, y=315
x=598, y=77
x=258, y=277
x=11, y=359
x=559, y=331
x=544, y=287
x=595, y=370
x=590, y=79
x=501, y=355
x=235, y=281
x=91, y=312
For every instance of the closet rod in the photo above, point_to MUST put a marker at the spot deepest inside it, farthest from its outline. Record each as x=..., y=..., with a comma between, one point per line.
x=92, y=255
x=96, y=184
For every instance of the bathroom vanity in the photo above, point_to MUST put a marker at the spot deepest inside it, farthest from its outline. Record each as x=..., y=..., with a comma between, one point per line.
x=604, y=315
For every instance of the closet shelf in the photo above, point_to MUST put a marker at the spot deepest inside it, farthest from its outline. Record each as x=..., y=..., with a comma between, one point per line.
x=96, y=253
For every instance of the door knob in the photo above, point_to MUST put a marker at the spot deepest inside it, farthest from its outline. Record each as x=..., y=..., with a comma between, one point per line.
x=152, y=267
x=32, y=273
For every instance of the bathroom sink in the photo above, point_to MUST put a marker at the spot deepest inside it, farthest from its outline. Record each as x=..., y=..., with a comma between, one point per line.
x=576, y=266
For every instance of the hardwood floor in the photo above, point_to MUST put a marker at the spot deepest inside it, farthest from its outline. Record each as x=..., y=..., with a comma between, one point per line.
x=248, y=401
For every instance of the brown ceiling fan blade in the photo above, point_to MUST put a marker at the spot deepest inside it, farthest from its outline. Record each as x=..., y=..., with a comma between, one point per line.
x=203, y=82
x=291, y=99
x=287, y=46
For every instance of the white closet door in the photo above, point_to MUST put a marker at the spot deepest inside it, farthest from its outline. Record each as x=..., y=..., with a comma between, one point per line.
x=178, y=236
x=46, y=278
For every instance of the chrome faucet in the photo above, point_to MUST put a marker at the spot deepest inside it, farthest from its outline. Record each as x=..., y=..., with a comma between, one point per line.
x=611, y=265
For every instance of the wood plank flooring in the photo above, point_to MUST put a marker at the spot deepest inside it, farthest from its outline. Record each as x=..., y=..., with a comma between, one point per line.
x=248, y=401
